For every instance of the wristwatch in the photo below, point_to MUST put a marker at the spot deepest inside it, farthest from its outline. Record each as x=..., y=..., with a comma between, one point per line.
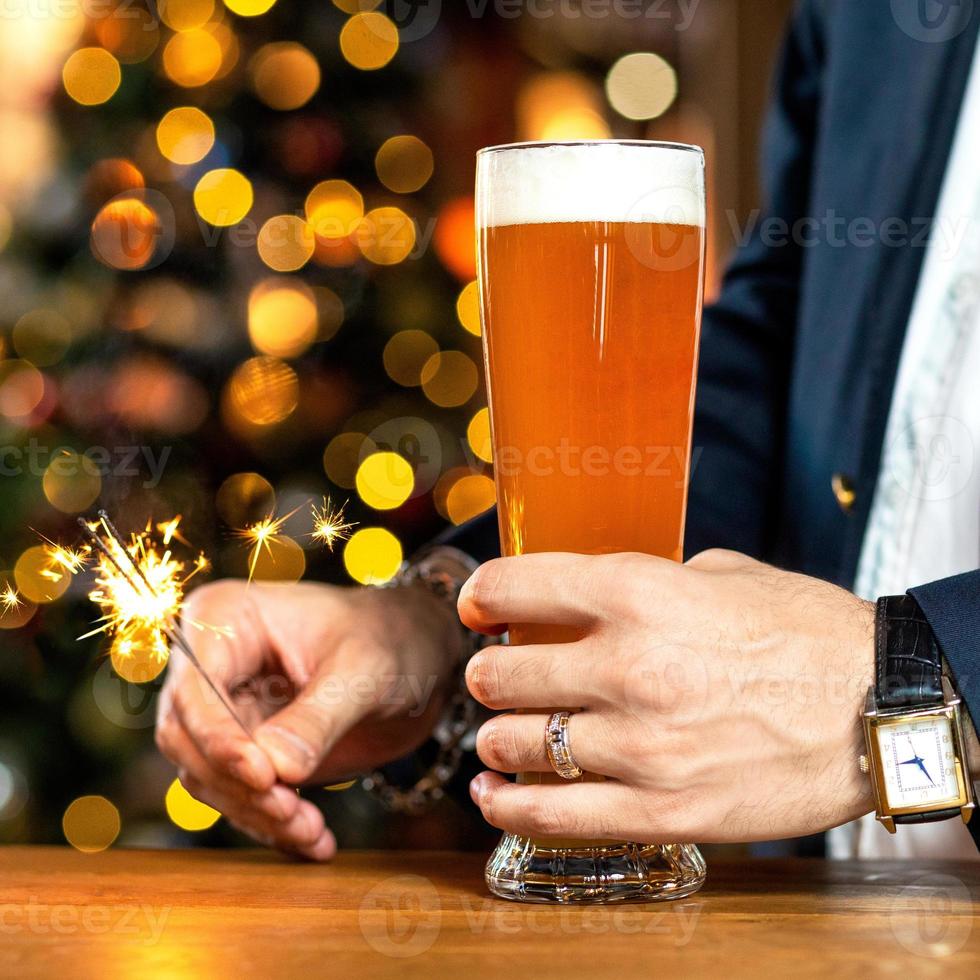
x=913, y=726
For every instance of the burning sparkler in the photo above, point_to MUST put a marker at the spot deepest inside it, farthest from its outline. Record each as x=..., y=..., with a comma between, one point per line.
x=139, y=586
x=10, y=599
x=329, y=525
x=262, y=535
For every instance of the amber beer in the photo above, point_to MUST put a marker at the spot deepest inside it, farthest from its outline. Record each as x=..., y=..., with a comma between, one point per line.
x=591, y=260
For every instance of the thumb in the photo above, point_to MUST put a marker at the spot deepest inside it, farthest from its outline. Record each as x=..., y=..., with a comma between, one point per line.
x=302, y=735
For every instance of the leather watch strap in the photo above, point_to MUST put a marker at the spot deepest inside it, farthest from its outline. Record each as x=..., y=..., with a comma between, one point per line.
x=931, y=817
x=908, y=663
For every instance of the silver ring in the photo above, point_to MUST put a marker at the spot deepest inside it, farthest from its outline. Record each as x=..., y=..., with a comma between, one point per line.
x=558, y=748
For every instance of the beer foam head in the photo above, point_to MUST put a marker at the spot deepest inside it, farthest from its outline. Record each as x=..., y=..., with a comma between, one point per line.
x=598, y=181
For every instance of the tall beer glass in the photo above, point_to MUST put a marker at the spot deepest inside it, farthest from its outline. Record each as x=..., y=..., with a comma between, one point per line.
x=591, y=264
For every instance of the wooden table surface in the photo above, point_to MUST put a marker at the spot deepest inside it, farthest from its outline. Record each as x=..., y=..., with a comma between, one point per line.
x=230, y=914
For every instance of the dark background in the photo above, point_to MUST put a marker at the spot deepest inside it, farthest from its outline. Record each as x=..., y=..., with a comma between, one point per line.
x=151, y=356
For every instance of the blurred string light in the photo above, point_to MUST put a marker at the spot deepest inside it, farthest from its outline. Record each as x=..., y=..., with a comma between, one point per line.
x=91, y=824
x=560, y=106
x=386, y=236
x=369, y=40
x=404, y=164
x=334, y=209
x=356, y=6
x=641, y=86
x=449, y=378
x=282, y=317
x=343, y=456
x=478, y=435
x=468, y=308
x=223, y=196
x=372, y=556
x=125, y=233
x=182, y=15
x=385, y=480
x=91, y=76
x=406, y=354
x=185, y=135
x=455, y=238
x=193, y=58
x=249, y=8
x=6, y=226
x=186, y=812
x=469, y=496
x=285, y=75
x=113, y=177
x=262, y=391
x=21, y=388
x=286, y=242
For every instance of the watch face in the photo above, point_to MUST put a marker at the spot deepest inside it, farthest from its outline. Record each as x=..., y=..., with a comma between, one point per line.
x=917, y=762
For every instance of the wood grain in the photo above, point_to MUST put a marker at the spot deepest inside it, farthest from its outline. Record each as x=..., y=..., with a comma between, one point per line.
x=210, y=914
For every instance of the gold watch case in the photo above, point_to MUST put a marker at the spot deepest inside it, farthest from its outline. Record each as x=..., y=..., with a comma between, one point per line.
x=872, y=763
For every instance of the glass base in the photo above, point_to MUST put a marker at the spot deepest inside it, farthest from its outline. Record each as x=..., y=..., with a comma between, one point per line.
x=525, y=871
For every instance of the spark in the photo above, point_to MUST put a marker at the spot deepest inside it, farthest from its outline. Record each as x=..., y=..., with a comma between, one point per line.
x=10, y=599
x=262, y=535
x=329, y=525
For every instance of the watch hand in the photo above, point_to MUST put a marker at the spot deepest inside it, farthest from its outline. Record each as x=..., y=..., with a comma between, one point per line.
x=922, y=766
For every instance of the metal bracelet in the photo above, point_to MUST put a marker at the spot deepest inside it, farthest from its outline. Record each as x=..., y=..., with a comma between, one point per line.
x=442, y=570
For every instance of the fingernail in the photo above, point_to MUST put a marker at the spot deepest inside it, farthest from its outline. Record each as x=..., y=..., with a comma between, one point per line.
x=285, y=746
x=476, y=789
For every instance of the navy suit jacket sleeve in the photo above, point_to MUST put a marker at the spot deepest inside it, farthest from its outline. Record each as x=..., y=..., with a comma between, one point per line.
x=952, y=607
x=747, y=335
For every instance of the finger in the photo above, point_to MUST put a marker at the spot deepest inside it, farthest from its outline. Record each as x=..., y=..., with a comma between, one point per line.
x=278, y=802
x=548, y=588
x=304, y=834
x=537, y=676
x=585, y=811
x=518, y=743
x=300, y=736
x=218, y=737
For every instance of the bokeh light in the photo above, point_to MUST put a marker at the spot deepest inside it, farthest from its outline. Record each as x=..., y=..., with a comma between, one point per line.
x=285, y=75
x=641, y=86
x=406, y=354
x=91, y=76
x=192, y=58
x=369, y=40
x=560, y=106
x=468, y=308
x=185, y=135
x=282, y=317
x=455, y=238
x=386, y=236
x=36, y=576
x=343, y=456
x=334, y=209
x=449, y=378
x=385, y=480
x=186, y=812
x=135, y=658
x=91, y=824
x=182, y=15
x=71, y=482
x=404, y=164
x=263, y=391
x=21, y=388
x=6, y=226
x=478, y=435
x=249, y=8
x=111, y=178
x=223, y=196
x=469, y=496
x=125, y=234
x=286, y=242
x=131, y=33
x=372, y=556
x=356, y=6
x=244, y=499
